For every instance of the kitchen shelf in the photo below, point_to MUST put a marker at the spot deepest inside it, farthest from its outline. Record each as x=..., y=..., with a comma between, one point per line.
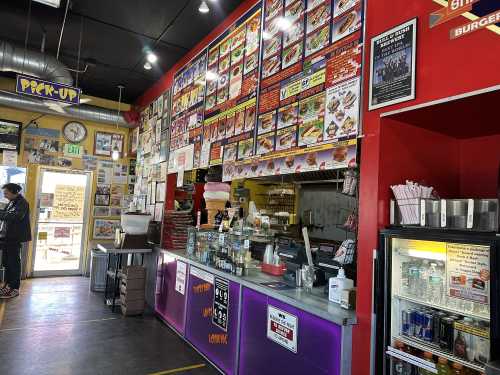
x=425, y=346
x=444, y=308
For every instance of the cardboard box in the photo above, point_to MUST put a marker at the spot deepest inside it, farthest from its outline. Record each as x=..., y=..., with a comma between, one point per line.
x=133, y=272
x=131, y=295
x=134, y=284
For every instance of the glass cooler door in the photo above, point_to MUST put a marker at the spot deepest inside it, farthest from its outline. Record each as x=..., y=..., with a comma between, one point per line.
x=439, y=305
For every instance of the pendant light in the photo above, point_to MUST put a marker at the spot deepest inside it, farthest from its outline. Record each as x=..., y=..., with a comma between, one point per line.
x=203, y=7
x=115, y=154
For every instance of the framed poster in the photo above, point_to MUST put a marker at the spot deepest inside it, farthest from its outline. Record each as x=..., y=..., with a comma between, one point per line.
x=10, y=135
x=117, y=141
x=102, y=143
x=102, y=200
x=105, y=229
x=392, y=66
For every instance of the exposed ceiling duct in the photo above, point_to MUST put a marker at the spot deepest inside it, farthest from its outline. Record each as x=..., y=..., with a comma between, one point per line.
x=15, y=58
x=80, y=112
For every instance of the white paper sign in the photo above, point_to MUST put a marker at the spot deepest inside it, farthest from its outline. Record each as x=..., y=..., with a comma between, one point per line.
x=180, y=278
x=180, y=178
x=282, y=328
x=9, y=158
x=468, y=271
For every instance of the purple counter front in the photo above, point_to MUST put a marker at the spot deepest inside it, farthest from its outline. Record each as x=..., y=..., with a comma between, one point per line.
x=276, y=338
x=218, y=345
x=244, y=330
x=170, y=301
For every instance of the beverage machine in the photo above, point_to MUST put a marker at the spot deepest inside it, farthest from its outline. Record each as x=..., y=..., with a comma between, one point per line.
x=436, y=301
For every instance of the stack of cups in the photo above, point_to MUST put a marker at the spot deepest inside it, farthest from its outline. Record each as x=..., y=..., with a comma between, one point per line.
x=216, y=195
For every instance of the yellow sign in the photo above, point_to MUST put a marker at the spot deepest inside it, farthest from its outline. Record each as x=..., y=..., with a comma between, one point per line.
x=303, y=84
x=68, y=202
x=42, y=236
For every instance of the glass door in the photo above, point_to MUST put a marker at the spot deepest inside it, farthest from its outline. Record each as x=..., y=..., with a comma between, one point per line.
x=440, y=307
x=61, y=223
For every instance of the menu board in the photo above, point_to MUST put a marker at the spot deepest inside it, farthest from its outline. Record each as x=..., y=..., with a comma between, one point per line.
x=232, y=85
x=309, y=93
x=188, y=100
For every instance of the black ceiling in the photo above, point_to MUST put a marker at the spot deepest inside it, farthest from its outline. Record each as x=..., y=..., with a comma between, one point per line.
x=116, y=34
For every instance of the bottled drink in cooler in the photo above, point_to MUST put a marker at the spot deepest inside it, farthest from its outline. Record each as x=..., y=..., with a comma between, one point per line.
x=428, y=358
x=424, y=279
x=442, y=366
x=400, y=367
x=413, y=280
x=457, y=369
x=435, y=285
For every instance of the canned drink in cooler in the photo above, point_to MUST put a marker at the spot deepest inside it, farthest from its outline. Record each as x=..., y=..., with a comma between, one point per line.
x=427, y=326
x=438, y=315
x=406, y=322
x=415, y=323
x=446, y=333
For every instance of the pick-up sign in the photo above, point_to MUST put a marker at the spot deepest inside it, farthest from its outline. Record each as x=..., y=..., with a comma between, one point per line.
x=47, y=90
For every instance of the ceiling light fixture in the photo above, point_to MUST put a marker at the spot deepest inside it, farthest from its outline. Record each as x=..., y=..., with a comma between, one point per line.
x=148, y=66
x=203, y=7
x=283, y=23
x=151, y=57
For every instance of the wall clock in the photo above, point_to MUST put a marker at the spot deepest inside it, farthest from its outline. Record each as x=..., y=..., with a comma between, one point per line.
x=74, y=132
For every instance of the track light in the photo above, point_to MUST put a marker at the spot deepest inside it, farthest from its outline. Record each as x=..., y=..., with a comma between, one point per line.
x=151, y=57
x=203, y=7
x=148, y=65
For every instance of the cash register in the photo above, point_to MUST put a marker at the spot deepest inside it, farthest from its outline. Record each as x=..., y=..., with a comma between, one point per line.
x=293, y=254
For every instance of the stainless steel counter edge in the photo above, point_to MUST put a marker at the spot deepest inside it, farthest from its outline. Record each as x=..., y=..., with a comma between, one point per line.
x=313, y=304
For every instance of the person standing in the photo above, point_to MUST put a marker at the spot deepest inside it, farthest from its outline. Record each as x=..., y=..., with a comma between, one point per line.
x=15, y=229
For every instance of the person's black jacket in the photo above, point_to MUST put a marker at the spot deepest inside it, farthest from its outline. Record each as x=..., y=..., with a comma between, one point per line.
x=17, y=218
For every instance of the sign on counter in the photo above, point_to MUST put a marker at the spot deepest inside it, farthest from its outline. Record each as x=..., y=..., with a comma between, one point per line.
x=220, y=307
x=282, y=328
x=392, y=66
x=47, y=90
x=468, y=271
x=203, y=275
x=180, y=278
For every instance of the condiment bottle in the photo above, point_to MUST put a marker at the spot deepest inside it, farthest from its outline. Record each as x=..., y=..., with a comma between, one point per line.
x=442, y=366
x=457, y=369
x=428, y=358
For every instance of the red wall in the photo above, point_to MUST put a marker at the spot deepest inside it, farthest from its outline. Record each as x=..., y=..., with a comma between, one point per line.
x=444, y=68
x=166, y=81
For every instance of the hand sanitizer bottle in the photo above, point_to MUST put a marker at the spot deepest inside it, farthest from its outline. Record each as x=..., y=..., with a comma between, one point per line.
x=337, y=285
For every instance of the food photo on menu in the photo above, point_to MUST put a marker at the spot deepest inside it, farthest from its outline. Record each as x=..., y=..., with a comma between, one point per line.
x=294, y=34
x=245, y=148
x=271, y=66
x=286, y=138
x=239, y=122
x=288, y=115
x=230, y=126
x=230, y=152
x=265, y=143
x=318, y=17
x=272, y=46
x=273, y=7
x=294, y=10
x=250, y=116
x=346, y=24
x=292, y=55
x=317, y=40
x=251, y=62
x=342, y=109
x=267, y=122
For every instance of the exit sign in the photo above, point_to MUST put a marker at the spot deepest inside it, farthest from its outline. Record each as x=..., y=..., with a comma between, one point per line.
x=73, y=151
